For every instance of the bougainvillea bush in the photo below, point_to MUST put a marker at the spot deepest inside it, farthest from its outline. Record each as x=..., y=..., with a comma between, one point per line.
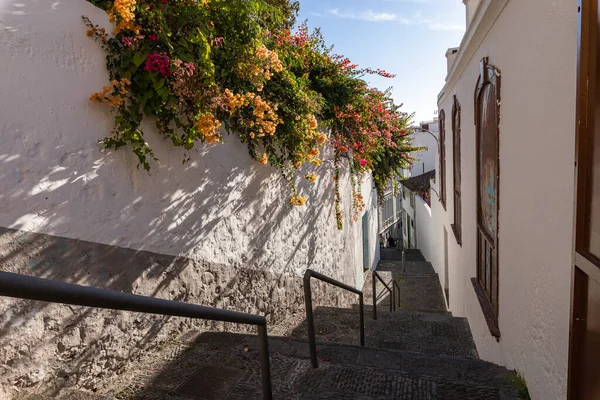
x=204, y=67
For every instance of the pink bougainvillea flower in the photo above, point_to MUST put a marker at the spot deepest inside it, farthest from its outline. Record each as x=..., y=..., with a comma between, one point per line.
x=362, y=162
x=160, y=63
x=219, y=41
x=154, y=38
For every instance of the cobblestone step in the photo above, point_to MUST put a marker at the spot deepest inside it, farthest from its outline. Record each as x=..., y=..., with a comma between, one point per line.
x=230, y=363
x=406, y=268
x=421, y=293
x=425, y=333
x=71, y=395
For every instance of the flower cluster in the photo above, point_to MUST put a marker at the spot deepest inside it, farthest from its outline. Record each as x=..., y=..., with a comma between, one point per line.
x=260, y=66
x=96, y=32
x=115, y=98
x=123, y=11
x=208, y=127
x=264, y=118
x=131, y=42
x=202, y=68
x=160, y=63
x=311, y=177
x=298, y=200
x=182, y=84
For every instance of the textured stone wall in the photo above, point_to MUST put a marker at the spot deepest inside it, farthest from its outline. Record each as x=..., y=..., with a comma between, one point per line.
x=215, y=231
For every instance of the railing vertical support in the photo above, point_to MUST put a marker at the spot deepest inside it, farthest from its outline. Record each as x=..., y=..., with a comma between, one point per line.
x=265, y=364
x=362, y=319
x=393, y=294
x=374, y=296
x=310, y=321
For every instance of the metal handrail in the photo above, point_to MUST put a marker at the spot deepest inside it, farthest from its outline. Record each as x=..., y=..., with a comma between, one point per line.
x=392, y=292
x=310, y=321
x=32, y=288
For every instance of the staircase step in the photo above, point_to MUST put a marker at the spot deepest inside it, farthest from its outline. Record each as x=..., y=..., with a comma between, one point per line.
x=421, y=293
x=345, y=372
x=429, y=334
x=70, y=395
x=407, y=268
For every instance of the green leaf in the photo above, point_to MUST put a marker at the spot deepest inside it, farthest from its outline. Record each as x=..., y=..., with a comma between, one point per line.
x=158, y=83
x=138, y=59
x=163, y=92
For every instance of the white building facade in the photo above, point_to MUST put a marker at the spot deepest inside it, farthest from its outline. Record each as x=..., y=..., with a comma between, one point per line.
x=504, y=238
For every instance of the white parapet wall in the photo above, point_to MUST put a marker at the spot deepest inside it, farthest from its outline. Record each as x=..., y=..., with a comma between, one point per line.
x=218, y=230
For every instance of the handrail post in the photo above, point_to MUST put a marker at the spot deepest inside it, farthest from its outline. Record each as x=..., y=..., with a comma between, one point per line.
x=398, y=289
x=393, y=294
x=362, y=319
x=310, y=321
x=374, y=295
x=391, y=301
x=265, y=364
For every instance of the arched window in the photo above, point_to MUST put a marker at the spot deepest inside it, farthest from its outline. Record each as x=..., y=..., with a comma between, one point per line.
x=487, y=119
x=442, y=127
x=457, y=226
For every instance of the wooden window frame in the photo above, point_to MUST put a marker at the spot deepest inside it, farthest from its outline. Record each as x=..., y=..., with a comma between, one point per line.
x=488, y=296
x=442, y=145
x=457, y=175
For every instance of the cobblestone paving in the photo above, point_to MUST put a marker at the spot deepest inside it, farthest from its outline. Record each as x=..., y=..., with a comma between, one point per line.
x=345, y=372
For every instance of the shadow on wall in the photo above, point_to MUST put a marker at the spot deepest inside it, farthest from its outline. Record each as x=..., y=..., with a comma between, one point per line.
x=217, y=231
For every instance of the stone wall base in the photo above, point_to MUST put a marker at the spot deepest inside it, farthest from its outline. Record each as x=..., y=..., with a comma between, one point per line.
x=47, y=348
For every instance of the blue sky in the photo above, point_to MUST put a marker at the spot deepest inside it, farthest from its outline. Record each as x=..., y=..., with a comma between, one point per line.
x=406, y=37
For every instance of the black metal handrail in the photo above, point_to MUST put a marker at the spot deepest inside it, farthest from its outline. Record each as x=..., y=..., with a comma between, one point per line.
x=310, y=321
x=392, y=292
x=32, y=288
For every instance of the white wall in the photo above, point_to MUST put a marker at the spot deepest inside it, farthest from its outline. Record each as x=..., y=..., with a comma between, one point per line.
x=425, y=229
x=427, y=157
x=534, y=44
x=62, y=183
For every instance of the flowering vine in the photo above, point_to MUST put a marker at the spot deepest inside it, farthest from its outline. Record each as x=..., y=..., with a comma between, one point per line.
x=203, y=68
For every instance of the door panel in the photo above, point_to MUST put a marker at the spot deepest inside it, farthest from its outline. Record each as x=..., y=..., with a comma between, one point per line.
x=584, y=361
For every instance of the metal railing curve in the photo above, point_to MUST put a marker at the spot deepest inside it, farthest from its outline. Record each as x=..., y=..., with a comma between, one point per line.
x=32, y=288
x=310, y=321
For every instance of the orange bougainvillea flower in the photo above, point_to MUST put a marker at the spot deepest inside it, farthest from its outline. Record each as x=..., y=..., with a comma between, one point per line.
x=311, y=177
x=322, y=138
x=264, y=159
x=298, y=201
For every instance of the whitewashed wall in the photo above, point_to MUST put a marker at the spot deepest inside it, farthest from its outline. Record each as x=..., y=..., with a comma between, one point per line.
x=223, y=212
x=425, y=229
x=61, y=182
x=533, y=43
x=427, y=157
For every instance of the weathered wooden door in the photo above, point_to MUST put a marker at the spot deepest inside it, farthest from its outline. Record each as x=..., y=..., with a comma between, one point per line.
x=584, y=365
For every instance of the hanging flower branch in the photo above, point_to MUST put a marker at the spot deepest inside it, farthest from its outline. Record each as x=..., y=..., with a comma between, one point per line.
x=201, y=66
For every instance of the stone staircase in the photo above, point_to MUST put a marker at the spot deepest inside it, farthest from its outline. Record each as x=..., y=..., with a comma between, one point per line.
x=418, y=352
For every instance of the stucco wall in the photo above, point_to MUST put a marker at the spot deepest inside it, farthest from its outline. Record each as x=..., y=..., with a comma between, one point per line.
x=533, y=43
x=220, y=228
x=425, y=229
x=426, y=158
